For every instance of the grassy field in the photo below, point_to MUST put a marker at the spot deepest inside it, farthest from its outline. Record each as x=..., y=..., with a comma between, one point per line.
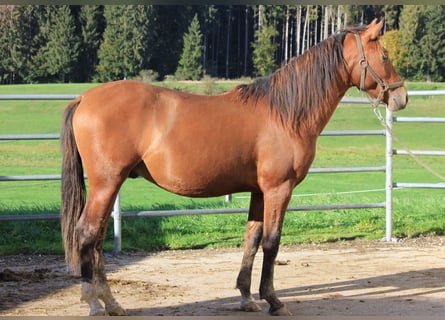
x=417, y=212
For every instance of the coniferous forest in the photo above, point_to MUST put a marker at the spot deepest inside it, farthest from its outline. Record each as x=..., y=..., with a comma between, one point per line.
x=59, y=43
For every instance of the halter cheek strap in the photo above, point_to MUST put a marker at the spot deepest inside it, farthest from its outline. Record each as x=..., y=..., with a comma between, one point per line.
x=365, y=67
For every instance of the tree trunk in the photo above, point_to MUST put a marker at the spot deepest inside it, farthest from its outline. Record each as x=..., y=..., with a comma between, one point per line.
x=327, y=13
x=204, y=56
x=228, y=42
x=291, y=48
x=238, y=45
x=298, y=32
x=286, y=36
x=260, y=18
x=316, y=30
x=339, y=24
x=305, y=27
x=246, y=41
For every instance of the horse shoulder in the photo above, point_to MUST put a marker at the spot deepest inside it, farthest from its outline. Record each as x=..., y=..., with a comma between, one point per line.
x=283, y=156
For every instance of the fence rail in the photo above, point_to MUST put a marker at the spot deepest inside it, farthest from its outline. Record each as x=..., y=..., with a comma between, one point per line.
x=433, y=153
x=117, y=214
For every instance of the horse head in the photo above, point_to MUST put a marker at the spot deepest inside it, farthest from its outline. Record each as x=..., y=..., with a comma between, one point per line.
x=371, y=69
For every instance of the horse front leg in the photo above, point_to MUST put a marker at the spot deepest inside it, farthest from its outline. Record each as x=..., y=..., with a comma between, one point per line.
x=252, y=239
x=275, y=205
x=91, y=230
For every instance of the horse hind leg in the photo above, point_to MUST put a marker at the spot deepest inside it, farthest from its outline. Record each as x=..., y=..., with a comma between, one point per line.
x=243, y=283
x=91, y=229
x=252, y=239
x=99, y=289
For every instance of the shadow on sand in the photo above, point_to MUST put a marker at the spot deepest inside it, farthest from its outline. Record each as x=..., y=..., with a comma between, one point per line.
x=357, y=296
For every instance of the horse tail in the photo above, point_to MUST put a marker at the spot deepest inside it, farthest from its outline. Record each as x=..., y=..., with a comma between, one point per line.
x=73, y=188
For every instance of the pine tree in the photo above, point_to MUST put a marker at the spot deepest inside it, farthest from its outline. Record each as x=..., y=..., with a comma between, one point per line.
x=124, y=50
x=91, y=21
x=6, y=62
x=111, y=57
x=409, y=22
x=392, y=13
x=432, y=26
x=263, y=47
x=60, y=43
x=168, y=32
x=22, y=42
x=62, y=50
x=190, y=64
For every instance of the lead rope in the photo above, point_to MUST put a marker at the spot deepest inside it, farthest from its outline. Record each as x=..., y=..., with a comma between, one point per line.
x=404, y=146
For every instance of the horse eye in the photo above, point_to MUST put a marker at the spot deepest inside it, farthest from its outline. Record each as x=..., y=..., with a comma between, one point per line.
x=385, y=56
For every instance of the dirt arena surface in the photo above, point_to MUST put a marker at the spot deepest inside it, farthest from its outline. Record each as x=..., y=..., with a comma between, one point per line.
x=356, y=278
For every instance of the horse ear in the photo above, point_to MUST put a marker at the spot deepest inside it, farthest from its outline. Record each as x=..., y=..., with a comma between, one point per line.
x=374, y=28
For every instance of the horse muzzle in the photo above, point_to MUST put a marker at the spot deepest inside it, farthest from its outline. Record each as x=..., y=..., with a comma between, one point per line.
x=397, y=99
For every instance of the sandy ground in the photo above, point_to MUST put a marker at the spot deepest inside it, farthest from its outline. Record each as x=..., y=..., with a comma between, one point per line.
x=354, y=278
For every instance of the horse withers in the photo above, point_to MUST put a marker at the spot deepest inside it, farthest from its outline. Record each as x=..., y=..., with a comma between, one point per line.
x=258, y=138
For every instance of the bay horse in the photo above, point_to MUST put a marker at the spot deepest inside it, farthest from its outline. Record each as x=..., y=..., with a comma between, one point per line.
x=258, y=138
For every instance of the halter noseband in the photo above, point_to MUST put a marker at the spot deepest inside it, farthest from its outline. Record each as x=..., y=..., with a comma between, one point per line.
x=384, y=86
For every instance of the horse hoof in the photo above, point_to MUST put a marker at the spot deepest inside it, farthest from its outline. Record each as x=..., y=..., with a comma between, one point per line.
x=281, y=311
x=98, y=312
x=116, y=311
x=250, y=306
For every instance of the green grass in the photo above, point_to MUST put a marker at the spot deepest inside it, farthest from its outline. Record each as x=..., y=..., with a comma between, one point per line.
x=417, y=212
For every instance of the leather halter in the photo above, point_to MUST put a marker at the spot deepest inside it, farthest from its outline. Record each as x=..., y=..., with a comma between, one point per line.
x=365, y=67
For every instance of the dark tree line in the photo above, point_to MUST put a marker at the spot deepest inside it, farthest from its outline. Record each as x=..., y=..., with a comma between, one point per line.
x=58, y=43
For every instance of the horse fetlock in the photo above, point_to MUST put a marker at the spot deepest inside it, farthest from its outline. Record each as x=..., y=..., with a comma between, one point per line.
x=267, y=293
x=87, y=292
x=243, y=281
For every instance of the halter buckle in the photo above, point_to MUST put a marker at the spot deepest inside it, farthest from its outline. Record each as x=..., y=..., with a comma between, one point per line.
x=385, y=86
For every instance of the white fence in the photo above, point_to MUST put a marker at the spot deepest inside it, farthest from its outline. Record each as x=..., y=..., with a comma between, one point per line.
x=387, y=168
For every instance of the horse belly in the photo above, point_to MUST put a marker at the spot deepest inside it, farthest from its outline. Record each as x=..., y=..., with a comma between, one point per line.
x=195, y=174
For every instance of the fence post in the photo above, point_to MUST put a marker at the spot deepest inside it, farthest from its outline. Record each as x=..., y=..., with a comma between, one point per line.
x=389, y=183
x=117, y=219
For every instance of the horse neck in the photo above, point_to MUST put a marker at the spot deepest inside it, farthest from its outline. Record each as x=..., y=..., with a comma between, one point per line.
x=322, y=113
x=331, y=106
